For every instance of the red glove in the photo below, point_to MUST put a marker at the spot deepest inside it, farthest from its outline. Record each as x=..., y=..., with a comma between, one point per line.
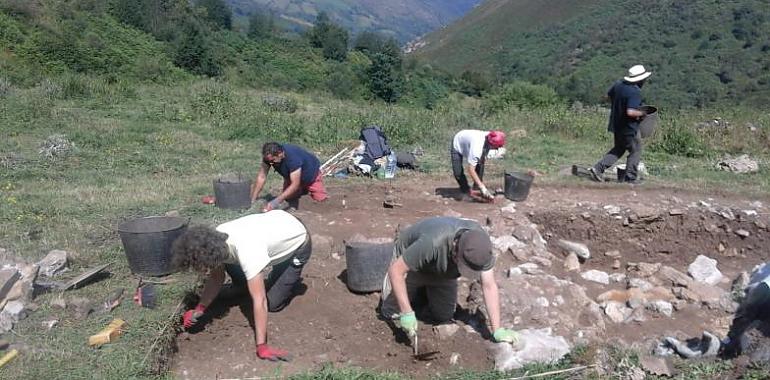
x=190, y=317
x=266, y=352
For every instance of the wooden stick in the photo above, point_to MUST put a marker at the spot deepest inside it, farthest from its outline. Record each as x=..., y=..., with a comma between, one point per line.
x=334, y=157
x=573, y=369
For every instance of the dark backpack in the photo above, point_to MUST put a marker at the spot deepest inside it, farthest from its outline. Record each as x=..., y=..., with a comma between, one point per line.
x=376, y=142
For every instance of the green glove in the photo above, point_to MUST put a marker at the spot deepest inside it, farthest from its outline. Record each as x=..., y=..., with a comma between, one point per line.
x=505, y=335
x=408, y=323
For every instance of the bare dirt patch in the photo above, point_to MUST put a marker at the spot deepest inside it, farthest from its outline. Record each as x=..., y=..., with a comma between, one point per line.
x=328, y=324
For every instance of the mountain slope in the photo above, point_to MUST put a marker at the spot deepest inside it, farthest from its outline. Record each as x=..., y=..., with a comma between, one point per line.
x=702, y=52
x=402, y=19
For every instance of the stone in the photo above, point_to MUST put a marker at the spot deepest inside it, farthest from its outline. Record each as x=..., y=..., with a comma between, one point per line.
x=510, y=208
x=704, y=270
x=579, y=249
x=617, y=312
x=616, y=264
x=534, y=346
x=454, y=359
x=81, y=306
x=54, y=262
x=661, y=307
x=15, y=309
x=526, y=268
x=738, y=287
x=743, y=233
x=541, y=261
x=572, y=263
x=446, y=331
x=676, y=211
x=596, y=276
x=612, y=254
x=644, y=270
x=640, y=283
x=674, y=276
x=618, y=277
x=50, y=323
x=8, y=278
x=686, y=294
x=612, y=209
x=613, y=295
x=660, y=293
x=656, y=365
x=740, y=164
x=503, y=243
x=708, y=295
x=636, y=298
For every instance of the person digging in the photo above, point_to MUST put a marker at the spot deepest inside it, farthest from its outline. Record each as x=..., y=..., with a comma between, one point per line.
x=243, y=248
x=625, y=116
x=300, y=170
x=429, y=257
x=469, y=152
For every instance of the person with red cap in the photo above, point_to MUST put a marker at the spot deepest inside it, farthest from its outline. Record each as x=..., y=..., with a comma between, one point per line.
x=428, y=257
x=469, y=153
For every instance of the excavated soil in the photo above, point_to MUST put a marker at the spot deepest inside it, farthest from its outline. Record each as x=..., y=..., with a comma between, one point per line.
x=326, y=324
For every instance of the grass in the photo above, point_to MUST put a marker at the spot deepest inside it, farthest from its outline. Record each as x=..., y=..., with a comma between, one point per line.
x=148, y=150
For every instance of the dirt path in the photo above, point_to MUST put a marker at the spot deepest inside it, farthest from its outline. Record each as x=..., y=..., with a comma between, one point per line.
x=329, y=324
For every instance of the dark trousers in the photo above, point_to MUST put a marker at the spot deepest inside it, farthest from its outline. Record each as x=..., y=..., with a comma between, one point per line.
x=459, y=173
x=623, y=143
x=756, y=307
x=282, y=278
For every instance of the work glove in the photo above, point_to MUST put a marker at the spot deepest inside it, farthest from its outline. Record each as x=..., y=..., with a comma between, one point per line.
x=505, y=335
x=485, y=192
x=272, y=205
x=190, y=317
x=266, y=352
x=408, y=322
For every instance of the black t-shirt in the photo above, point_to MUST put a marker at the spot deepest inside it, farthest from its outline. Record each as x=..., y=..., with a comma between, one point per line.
x=624, y=95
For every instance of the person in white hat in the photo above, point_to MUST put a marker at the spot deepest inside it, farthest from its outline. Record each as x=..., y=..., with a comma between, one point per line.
x=624, y=120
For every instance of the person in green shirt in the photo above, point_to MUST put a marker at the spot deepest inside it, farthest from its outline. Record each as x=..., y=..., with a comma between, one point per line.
x=431, y=254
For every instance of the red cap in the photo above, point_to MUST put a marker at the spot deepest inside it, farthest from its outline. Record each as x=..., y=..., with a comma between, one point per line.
x=496, y=139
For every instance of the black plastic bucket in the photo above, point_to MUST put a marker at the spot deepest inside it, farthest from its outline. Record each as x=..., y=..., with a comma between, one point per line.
x=650, y=122
x=147, y=242
x=367, y=264
x=232, y=192
x=517, y=186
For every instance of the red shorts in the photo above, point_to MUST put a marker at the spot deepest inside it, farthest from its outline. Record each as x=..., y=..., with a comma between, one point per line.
x=316, y=189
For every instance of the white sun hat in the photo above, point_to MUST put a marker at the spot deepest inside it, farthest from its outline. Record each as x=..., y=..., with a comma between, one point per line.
x=637, y=74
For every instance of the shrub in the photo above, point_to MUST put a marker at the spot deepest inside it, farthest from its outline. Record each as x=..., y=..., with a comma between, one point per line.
x=522, y=95
x=279, y=103
x=678, y=140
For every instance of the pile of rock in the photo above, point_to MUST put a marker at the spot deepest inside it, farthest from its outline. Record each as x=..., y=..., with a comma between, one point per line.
x=17, y=282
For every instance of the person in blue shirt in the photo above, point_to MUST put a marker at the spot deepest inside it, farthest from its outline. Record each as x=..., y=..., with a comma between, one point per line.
x=624, y=120
x=300, y=170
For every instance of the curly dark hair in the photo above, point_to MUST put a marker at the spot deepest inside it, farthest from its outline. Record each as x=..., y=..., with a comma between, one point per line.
x=199, y=248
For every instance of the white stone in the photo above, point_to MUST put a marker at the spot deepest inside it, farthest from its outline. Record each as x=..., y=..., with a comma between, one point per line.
x=534, y=346
x=617, y=311
x=54, y=262
x=509, y=208
x=596, y=276
x=662, y=307
x=542, y=301
x=446, y=331
x=504, y=243
x=612, y=209
x=572, y=263
x=581, y=250
x=642, y=284
x=704, y=270
x=618, y=277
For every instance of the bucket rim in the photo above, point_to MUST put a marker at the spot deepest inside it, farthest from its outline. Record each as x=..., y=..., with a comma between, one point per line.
x=520, y=175
x=125, y=226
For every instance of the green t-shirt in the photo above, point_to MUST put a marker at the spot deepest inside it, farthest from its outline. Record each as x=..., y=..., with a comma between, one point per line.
x=427, y=245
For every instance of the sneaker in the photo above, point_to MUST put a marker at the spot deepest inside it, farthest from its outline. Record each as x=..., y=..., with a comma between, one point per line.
x=637, y=181
x=595, y=176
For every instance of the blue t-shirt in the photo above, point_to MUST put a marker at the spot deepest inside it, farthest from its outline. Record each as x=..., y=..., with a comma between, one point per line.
x=624, y=95
x=298, y=158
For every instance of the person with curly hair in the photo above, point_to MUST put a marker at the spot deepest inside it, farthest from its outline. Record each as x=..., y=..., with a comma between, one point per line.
x=243, y=248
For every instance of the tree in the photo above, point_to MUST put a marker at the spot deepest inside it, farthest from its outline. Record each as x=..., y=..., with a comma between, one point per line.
x=194, y=52
x=260, y=25
x=331, y=38
x=369, y=43
x=217, y=12
x=386, y=76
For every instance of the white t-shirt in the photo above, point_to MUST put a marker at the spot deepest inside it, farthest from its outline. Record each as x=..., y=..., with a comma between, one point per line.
x=470, y=144
x=259, y=240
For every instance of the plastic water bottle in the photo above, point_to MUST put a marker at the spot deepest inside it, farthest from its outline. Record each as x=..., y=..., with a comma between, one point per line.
x=390, y=166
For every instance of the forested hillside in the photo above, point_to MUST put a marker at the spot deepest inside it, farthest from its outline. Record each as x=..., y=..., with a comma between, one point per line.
x=401, y=19
x=702, y=52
